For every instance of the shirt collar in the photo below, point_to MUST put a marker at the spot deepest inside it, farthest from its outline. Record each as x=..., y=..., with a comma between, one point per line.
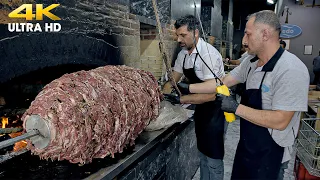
x=268, y=67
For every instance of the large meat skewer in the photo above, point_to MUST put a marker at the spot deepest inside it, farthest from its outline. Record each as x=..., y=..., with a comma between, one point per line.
x=91, y=114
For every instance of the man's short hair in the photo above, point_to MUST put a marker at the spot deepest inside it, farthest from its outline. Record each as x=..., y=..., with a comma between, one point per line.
x=189, y=20
x=267, y=17
x=284, y=43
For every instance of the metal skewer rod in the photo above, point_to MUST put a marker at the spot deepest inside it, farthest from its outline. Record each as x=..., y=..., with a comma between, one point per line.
x=27, y=135
x=9, y=130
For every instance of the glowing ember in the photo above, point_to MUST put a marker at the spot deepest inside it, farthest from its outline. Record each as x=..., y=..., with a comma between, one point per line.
x=4, y=122
x=19, y=146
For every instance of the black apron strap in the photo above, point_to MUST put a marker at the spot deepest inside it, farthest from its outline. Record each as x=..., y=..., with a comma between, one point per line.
x=195, y=59
x=184, y=60
x=264, y=75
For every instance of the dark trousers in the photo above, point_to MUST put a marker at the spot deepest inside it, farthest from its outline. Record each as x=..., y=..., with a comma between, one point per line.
x=316, y=78
x=210, y=169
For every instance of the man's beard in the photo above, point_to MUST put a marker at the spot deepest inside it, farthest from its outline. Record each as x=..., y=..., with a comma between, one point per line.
x=187, y=47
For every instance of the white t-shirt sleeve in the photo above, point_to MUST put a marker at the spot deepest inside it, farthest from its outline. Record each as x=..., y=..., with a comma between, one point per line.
x=179, y=63
x=214, y=61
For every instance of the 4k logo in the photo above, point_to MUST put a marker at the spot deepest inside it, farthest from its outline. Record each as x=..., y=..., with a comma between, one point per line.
x=39, y=12
x=29, y=15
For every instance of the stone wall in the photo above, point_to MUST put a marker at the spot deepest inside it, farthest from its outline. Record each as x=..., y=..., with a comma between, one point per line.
x=108, y=30
x=104, y=20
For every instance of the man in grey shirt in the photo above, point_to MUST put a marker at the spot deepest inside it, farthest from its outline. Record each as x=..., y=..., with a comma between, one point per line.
x=277, y=84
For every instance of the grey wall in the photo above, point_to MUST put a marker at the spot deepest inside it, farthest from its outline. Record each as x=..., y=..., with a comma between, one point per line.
x=309, y=20
x=230, y=16
x=216, y=20
x=145, y=8
x=230, y=22
x=206, y=18
x=181, y=8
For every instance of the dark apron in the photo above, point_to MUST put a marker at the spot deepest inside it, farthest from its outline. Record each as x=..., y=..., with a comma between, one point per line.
x=258, y=156
x=209, y=121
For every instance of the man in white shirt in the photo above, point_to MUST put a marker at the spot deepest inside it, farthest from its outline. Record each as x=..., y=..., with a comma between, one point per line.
x=197, y=62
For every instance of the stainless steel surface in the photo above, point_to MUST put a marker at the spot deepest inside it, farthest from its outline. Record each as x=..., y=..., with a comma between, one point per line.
x=35, y=122
x=9, y=142
x=308, y=145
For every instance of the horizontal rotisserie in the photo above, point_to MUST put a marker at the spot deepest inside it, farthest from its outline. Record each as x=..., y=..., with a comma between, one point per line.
x=96, y=113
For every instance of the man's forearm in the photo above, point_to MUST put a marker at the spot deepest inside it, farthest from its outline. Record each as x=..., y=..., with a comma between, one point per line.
x=197, y=98
x=210, y=85
x=234, y=62
x=266, y=118
x=205, y=87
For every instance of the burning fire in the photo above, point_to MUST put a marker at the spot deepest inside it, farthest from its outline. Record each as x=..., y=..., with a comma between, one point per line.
x=19, y=145
x=4, y=122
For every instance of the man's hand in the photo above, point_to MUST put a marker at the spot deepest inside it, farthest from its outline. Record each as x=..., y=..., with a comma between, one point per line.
x=173, y=99
x=184, y=88
x=167, y=90
x=229, y=103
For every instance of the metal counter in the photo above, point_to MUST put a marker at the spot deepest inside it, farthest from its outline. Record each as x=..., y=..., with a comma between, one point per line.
x=27, y=166
x=145, y=142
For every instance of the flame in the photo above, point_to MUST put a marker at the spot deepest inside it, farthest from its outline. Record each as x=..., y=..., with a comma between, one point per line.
x=4, y=122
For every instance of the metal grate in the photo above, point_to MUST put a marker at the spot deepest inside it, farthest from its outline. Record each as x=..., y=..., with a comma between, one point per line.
x=308, y=145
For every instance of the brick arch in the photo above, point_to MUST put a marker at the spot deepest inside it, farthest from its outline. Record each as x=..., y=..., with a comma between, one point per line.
x=23, y=54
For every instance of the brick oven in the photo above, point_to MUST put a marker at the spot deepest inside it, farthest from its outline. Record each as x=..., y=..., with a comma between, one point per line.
x=94, y=33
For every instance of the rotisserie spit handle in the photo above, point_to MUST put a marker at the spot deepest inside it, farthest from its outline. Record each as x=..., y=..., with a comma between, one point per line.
x=38, y=131
x=10, y=142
